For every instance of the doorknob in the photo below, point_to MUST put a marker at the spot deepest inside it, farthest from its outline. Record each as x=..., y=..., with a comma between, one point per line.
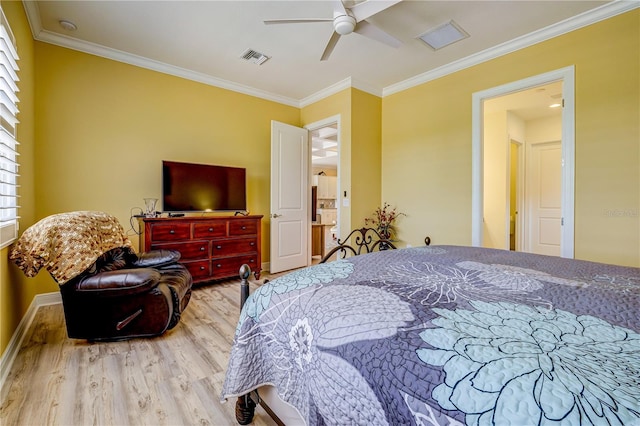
x=275, y=215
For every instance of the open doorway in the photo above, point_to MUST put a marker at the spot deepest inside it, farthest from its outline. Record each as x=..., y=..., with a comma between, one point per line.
x=523, y=165
x=325, y=206
x=522, y=194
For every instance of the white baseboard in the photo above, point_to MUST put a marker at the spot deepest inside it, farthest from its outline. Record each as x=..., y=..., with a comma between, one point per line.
x=10, y=353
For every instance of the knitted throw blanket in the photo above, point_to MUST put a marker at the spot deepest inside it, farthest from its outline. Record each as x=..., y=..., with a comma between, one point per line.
x=67, y=244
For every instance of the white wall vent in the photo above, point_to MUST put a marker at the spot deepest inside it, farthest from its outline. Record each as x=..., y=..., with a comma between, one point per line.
x=253, y=56
x=444, y=35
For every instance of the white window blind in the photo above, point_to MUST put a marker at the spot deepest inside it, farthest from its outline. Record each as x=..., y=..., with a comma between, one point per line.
x=8, y=143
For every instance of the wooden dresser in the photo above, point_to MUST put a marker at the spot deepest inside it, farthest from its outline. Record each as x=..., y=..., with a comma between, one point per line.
x=212, y=247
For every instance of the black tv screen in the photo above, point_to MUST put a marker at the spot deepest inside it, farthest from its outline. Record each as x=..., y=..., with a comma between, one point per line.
x=188, y=187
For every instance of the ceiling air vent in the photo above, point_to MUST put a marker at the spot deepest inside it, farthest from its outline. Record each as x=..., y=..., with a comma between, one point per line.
x=255, y=57
x=444, y=35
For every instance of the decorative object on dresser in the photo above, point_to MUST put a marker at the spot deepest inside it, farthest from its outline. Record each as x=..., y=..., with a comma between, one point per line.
x=211, y=247
x=108, y=291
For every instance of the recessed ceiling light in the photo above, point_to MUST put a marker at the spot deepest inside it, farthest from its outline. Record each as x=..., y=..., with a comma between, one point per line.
x=67, y=25
x=444, y=35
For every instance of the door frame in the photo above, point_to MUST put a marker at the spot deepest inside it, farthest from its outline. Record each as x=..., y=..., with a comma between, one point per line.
x=567, y=76
x=310, y=128
x=520, y=194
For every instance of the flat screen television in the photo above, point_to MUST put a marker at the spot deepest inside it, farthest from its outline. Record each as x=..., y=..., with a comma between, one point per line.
x=189, y=187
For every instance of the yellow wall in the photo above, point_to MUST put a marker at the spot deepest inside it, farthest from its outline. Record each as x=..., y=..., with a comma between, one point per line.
x=360, y=141
x=366, y=162
x=494, y=152
x=17, y=292
x=340, y=105
x=426, y=141
x=104, y=127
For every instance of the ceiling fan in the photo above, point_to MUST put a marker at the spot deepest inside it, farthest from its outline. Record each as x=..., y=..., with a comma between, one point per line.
x=350, y=19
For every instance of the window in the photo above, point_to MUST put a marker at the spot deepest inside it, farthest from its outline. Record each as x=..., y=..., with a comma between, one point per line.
x=8, y=142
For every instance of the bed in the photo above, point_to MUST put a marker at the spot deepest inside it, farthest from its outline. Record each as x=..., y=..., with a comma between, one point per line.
x=445, y=335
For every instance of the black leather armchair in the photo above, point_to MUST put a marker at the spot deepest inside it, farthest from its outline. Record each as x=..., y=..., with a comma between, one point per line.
x=108, y=291
x=143, y=298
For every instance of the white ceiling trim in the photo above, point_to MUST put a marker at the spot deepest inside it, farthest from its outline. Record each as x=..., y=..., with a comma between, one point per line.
x=142, y=62
x=347, y=83
x=325, y=93
x=604, y=12
x=117, y=55
x=590, y=17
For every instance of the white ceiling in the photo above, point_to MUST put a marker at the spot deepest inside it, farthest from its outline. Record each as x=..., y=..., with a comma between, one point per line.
x=203, y=40
x=324, y=146
x=531, y=104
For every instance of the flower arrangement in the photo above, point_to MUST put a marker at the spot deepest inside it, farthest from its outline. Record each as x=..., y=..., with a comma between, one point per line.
x=383, y=219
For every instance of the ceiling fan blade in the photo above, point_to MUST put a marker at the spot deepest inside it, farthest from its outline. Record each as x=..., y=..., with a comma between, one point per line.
x=338, y=8
x=295, y=21
x=371, y=31
x=367, y=9
x=330, y=46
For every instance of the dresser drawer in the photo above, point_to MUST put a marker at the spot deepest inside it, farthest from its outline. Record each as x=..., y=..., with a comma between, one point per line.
x=230, y=266
x=233, y=246
x=243, y=227
x=212, y=248
x=198, y=269
x=188, y=251
x=170, y=232
x=210, y=229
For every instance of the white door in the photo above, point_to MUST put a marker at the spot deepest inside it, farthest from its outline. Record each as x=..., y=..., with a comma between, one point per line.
x=545, y=198
x=290, y=216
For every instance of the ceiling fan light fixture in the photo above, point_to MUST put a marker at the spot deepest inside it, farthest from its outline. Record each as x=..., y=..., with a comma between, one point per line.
x=444, y=35
x=344, y=24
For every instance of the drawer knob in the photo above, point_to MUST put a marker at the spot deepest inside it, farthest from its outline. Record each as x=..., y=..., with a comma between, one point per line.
x=218, y=266
x=202, y=249
x=218, y=247
x=173, y=231
x=252, y=244
x=244, y=227
x=202, y=268
x=210, y=229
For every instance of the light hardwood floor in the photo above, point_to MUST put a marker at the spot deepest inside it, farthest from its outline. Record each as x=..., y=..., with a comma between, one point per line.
x=173, y=379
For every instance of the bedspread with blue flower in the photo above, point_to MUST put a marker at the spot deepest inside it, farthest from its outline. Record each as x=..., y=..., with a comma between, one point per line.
x=446, y=335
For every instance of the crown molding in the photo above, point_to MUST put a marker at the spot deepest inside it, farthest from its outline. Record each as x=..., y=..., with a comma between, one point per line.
x=606, y=11
x=347, y=83
x=40, y=34
x=366, y=87
x=326, y=92
x=601, y=13
x=139, y=61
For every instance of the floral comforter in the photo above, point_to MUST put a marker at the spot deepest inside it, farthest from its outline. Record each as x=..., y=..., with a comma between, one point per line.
x=446, y=335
